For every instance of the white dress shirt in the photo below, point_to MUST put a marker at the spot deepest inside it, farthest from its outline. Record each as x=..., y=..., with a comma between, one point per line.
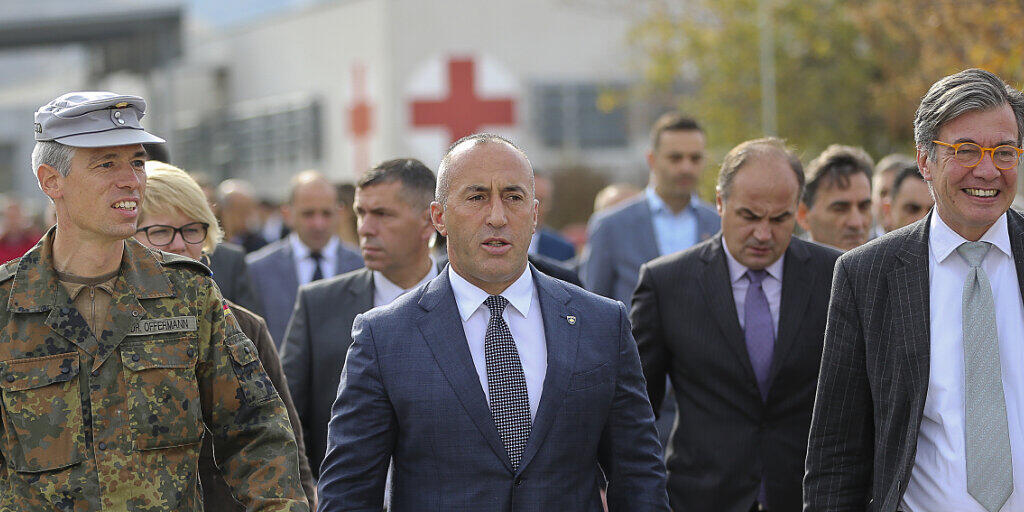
x=772, y=286
x=938, y=481
x=524, y=319
x=384, y=291
x=305, y=266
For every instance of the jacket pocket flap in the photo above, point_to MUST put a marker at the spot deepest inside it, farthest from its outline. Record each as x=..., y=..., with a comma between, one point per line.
x=177, y=353
x=590, y=378
x=242, y=350
x=36, y=372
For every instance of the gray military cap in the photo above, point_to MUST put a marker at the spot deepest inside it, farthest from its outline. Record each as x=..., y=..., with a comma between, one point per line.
x=93, y=120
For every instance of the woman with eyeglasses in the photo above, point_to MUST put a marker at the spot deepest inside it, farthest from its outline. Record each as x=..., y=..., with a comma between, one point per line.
x=176, y=218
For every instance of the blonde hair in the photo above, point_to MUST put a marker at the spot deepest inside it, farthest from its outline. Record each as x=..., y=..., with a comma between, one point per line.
x=171, y=190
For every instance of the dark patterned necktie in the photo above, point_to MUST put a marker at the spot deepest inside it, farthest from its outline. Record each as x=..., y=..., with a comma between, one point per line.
x=318, y=274
x=506, y=383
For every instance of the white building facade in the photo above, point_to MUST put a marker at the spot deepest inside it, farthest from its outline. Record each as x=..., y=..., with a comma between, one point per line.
x=341, y=85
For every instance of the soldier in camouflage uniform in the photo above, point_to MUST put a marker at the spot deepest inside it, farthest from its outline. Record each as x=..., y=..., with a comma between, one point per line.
x=107, y=381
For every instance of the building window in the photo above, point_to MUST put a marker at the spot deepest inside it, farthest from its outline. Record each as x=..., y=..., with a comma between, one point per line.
x=254, y=141
x=580, y=116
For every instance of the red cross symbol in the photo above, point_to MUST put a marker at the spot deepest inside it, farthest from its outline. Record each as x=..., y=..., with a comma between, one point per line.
x=360, y=117
x=462, y=113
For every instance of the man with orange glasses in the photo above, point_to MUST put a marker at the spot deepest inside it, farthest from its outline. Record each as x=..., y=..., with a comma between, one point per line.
x=920, y=402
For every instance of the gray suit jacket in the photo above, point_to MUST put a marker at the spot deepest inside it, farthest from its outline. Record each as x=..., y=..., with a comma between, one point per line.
x=272, y=270
x=227, y=262
x=874, y=371
x=410, y=390
x=313, y=353
x=621, y=239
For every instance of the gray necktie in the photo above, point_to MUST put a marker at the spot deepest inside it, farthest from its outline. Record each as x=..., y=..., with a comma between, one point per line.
x=759, y=329
x=989, y=472
x=506, y=383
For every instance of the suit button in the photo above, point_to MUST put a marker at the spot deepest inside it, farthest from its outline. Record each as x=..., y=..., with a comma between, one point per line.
x=10, y=378
x=519, y=481
x=135, y=357
x=65, y=370
x=102, y=445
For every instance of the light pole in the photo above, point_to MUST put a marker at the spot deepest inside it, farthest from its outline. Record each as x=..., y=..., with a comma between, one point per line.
x=769, y=121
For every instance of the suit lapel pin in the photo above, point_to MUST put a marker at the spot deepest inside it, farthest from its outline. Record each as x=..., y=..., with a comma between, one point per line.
x=571, y=319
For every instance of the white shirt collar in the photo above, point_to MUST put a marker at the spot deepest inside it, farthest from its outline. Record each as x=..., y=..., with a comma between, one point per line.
x=737, y=269
x=469, y=297
x=942, y=240
x=386, y=287
x=301, y=252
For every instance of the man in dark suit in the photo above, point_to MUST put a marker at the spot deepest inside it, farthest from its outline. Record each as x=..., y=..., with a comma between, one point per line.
x=392, y=208
x=921, y=393
x=493, y=387
x=736, y=322
x=310, y=253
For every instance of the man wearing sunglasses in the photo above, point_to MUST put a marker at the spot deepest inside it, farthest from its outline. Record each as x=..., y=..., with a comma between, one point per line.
x=920, y=402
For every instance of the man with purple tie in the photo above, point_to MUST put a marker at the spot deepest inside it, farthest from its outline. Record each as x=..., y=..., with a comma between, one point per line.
x=737, y=322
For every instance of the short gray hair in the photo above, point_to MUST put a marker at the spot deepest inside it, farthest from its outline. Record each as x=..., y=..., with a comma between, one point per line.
x=444, y=178
x=738, y=156
x=967, y=91
x=54, y=154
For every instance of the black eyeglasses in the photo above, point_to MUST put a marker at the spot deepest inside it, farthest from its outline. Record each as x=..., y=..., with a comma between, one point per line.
x=160, y=235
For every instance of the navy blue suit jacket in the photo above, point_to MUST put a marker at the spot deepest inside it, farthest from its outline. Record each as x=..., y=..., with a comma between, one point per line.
x=409, y=390
x=553, y=245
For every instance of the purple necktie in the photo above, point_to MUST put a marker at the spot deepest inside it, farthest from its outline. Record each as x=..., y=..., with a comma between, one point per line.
x=759, y=330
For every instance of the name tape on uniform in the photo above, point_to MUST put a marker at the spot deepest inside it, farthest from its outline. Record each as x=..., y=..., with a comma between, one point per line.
x=164, y=325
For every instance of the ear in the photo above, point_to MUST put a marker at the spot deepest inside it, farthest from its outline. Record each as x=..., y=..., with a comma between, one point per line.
x=437, y=218
x=536, y=214
x=923, y=164
x=801, y=216
x=428, y=225
x=650, y=159
x=719, y=203
x=286, y=215
x=50, y=181
x=886, y=210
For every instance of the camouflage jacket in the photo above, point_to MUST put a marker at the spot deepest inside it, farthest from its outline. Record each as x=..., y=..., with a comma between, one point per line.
x=114, y=421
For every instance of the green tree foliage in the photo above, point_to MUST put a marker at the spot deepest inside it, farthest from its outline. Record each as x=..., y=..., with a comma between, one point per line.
x=915, y=42
x=849, y=71
x=711, y=47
